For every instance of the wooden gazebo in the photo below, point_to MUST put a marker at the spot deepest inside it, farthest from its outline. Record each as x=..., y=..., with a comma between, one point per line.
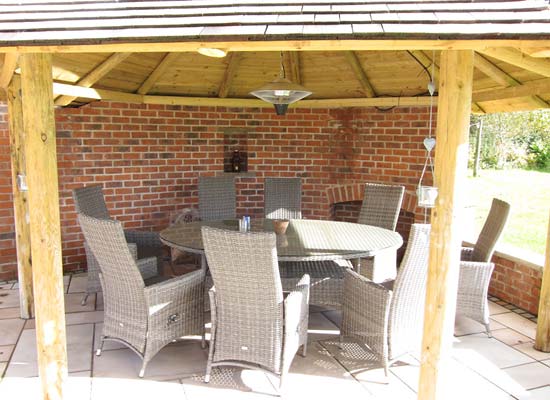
x=485, y=56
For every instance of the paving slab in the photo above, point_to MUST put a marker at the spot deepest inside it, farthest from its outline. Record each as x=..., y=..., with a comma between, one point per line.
x=9, y=298
x=517, y=323
x=511, y=337
x=79, y=351
x=5, y=352
x=10, y=330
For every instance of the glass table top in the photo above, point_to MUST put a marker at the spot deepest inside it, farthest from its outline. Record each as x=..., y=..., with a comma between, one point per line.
x=304, y=240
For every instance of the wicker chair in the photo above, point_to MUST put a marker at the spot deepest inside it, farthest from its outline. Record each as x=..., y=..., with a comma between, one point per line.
x=89, y=200
x=217, y=198
x=388, y=318
x=283, y=198
x=476, y=267
x=252, y=326
x=144, y=318
x=381, y=206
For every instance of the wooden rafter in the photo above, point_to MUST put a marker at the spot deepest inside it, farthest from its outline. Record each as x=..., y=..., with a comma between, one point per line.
x=96, y=74
x=424, y=60
x=161, y=67
x=503, y=78
x=291, y=62
x=519, y=59
x=360, y=74
x=538, y=51
x=538, y=87
x=8, y=69
x=233, y=60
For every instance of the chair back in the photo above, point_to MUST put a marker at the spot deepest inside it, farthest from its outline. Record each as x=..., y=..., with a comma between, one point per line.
x=493, y=227
x=409, y=291
x=381, y=205
x=217, y=198
x=89, y=200
x=249, y=296
x=283, y=198
x=123, y=286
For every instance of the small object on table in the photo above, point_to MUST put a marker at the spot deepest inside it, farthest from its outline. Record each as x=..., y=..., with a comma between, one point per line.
x=280, y=225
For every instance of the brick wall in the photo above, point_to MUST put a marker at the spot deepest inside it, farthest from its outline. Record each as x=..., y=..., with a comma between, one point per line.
x=148, y=159
x=516, y=281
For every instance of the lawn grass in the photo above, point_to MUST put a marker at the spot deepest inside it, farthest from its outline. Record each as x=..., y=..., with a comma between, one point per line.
x=528, y=193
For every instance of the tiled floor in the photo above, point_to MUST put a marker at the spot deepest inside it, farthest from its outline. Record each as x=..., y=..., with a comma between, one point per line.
x=503, y=367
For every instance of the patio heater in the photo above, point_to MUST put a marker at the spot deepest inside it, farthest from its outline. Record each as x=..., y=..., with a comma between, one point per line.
x=281, y=92
x=428, y=194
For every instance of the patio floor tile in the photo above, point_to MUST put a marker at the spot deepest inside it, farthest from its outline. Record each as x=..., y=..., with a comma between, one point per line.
x=109, y=344
x=517, y=323
x=79, y=345
x=530, y=376
x=136, y=389
x=529, y=349
x=10, y=313
x=542, y=393
x=174, y=361
x=467, y=326
x=73, y=303
x=78, y=283
x=9, y=298
x=495, y=309
x=511, y=337
x=10, y=330
x=230, y=383
x=476, y=350
x=5, y=352
x=320, y=328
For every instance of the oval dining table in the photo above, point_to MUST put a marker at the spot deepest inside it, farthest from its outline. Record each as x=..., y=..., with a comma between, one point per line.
x=304, y=239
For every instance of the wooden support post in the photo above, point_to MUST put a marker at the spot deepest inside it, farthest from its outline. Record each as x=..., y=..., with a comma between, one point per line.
x=41, y=163
x=20, y=205
x=542, y=341
x=451, y=157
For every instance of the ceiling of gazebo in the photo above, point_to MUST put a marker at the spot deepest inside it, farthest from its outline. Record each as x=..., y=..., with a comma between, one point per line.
x=347, y=52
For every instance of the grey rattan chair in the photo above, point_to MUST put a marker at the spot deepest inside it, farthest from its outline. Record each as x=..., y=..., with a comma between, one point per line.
x=144, y=318
x=476, y=267
x=381, y=206
x=388, y=318
x=252, y=326
x=89, y=200
x=217, y=198
x=283, y=198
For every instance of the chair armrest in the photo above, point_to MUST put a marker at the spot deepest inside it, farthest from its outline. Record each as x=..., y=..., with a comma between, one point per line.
x=474, y=278
x=296, y=307
x=466, y=253
x=365, y=311
x=133, y=250
x=143, y=238
x=147, y=267
x=169, y=297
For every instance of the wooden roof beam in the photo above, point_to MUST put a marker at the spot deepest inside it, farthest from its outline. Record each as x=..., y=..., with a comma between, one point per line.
x=291, y=63
x=519, y=59
x=8, y=69
x=157, y=73
x=95, y=75
x=502, y=78
x=360, y=74
x=538, y=87
x=233, y=60
x=279, y=45
x=100, y=94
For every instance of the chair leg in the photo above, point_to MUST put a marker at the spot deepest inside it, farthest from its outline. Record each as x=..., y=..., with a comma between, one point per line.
x=304, y=349
x=208, y=371
x=100, y=349
x=84, y=299
x=488, y=330
x=142, y=371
